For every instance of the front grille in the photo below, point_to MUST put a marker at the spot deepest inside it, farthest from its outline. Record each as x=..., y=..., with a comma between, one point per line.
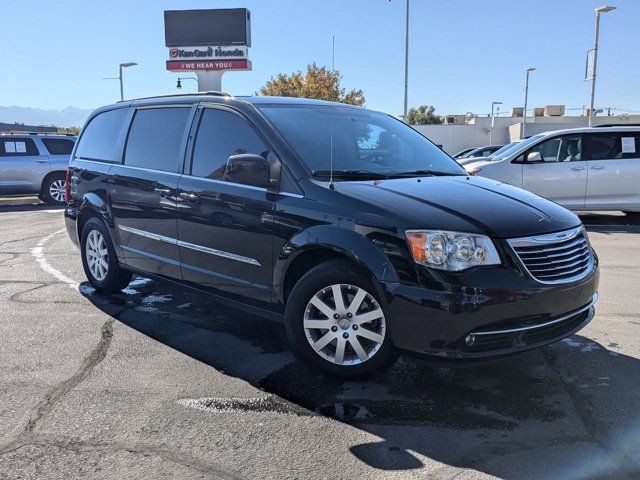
x=555, y=258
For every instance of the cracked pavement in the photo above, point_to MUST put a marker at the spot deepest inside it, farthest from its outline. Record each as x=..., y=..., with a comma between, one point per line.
x=159, y=382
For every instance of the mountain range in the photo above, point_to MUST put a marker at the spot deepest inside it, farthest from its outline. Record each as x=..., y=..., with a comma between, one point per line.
x=67, y=117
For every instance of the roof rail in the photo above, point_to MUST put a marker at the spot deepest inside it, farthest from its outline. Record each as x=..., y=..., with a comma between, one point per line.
x=617, y=125
x=191, y=94
x=50, y=133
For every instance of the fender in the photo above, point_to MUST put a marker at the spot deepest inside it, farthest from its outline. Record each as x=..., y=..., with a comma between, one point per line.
x=95, y=204
x=346, y=242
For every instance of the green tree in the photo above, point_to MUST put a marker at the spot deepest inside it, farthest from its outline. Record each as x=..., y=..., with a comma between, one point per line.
x=423, y=115
x=317, y=82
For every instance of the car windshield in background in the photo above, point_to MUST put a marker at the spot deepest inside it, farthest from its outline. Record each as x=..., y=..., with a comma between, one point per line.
x=366, y=144
x=505, y=152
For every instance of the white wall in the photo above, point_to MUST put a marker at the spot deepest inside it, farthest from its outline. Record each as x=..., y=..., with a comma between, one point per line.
x=454, y=138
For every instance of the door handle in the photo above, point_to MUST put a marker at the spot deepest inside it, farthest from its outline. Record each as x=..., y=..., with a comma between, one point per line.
x=190, y=197
x=577, y=169
x=163, y=192
x=597, y=167
x=42, y=161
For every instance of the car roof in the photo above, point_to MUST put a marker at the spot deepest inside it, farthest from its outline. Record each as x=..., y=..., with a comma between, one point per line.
x=621, y=128
x=64, y=136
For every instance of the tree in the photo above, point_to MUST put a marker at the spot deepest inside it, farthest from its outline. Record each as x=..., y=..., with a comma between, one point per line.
x=317, y=82
x=423, y=115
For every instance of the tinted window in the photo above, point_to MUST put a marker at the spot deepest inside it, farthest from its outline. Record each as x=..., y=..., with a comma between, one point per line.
x=558, y=149
x=99, y=138
x=220, y=135
x=155, y=138
x=58, y=146
x=356, y=139
x=611, y=146
x=15, y=147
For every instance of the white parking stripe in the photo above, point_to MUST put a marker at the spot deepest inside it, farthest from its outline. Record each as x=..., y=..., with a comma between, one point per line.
x=38, y=254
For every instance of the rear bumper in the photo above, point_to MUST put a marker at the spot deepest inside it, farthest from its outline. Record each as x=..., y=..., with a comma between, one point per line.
x=71, y=222
x=508, y=314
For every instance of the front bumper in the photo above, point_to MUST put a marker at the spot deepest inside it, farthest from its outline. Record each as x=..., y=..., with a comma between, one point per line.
x=487, y=312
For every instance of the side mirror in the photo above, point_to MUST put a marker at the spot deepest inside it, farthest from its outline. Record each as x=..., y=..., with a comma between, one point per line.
x=249, y=169
x=534, y=157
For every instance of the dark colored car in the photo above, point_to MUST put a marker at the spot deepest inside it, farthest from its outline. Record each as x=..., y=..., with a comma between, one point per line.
x=351, y=227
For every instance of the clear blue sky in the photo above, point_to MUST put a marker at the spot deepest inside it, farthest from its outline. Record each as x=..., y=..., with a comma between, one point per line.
x=464, y=53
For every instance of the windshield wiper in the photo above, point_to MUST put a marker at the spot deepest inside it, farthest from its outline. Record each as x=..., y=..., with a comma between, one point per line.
x=434, y=173
x=350, y=174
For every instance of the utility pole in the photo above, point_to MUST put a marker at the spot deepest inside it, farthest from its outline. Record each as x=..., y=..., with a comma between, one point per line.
x=406, y=65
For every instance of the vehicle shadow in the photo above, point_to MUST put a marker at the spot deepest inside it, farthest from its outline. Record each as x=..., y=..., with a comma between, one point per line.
x=610, y=222
x=569, y=410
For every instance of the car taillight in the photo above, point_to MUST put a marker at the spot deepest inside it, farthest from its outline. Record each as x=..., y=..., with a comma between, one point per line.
x=475, y=171
x=67, y=187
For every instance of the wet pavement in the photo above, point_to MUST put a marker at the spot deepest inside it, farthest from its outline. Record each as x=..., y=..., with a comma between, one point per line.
x=159, y=382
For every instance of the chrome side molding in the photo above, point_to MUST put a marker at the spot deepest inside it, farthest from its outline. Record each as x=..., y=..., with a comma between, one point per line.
x=192, y=246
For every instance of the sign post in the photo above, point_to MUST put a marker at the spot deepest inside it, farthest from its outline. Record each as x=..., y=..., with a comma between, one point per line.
x=208, y=43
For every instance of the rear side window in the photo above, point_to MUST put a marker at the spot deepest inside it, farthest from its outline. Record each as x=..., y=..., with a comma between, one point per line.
x=155, y=138
x=16, y=147
x=220, y=135
x=612, y=146
x=58, y=146
x=99, y=139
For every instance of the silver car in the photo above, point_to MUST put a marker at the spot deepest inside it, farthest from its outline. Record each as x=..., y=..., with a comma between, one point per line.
x=35, y=164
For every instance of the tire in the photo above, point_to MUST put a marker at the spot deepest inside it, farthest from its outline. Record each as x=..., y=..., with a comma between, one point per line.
x=304, y=322
x=104, y=272
x=53, y=189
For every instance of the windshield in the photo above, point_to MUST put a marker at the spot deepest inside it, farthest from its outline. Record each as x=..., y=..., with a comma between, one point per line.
x=365, y=143
x=507, y=150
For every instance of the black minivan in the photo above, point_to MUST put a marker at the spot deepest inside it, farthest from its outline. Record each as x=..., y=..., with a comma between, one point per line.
x=348, y=225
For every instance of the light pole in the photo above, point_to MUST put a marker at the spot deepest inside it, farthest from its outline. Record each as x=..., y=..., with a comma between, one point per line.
x=599, y=10
x=124, y=65
x=526, y=97
x=492, y=120
x=406, y=64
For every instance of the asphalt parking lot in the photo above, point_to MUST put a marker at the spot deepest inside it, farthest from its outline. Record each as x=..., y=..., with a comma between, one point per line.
x=158, y=382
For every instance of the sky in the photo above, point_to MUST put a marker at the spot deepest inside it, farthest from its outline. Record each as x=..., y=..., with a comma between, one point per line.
x=464, y=54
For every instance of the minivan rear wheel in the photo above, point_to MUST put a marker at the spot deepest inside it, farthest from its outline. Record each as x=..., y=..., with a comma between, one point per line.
x=99, y=258
x=336, y=321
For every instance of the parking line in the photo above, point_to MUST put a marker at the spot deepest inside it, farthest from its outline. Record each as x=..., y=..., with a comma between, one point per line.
x=38, y=254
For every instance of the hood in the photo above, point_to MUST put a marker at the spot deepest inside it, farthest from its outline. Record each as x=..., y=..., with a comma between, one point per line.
x=475, y=163
x=466, y=204
x=468, y=160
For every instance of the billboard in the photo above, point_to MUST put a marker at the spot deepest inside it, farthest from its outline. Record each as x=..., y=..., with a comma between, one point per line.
x=219, y=27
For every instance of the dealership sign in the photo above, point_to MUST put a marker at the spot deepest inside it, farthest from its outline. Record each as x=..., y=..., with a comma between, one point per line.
x=207, y=65
x=222, y=52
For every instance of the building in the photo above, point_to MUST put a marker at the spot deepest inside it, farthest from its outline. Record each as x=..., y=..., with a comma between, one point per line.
x=468, y=131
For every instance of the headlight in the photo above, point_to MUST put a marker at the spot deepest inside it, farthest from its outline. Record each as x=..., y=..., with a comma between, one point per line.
x=451, y=251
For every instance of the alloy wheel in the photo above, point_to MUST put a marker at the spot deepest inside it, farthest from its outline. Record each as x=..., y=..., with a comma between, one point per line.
x=97, y=255
x=344, y=324
x=57, y=190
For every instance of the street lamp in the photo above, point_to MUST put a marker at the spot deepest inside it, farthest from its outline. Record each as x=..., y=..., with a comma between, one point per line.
x=179, y=84
x=599, y=10
x=492, y=120
x=119, y=77
x=124, y=65
x=526, y=96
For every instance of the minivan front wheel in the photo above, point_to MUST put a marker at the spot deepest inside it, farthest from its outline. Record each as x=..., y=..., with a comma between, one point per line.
x=335, y=321
x=99, y=259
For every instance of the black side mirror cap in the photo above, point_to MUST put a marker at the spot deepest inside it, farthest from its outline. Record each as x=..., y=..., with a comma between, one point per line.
x=250, y=169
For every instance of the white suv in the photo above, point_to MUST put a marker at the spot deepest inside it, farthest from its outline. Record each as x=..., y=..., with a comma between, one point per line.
x=581, y=169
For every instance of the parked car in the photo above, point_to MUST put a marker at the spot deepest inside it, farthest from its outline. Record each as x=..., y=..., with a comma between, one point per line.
x=463, y=152
x=481, y=152
x=35, y=164
x=580, y=168
x=468, y=160
x=366, y=245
